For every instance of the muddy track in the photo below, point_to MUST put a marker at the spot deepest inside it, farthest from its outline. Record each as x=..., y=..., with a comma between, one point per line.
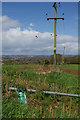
x=73, y=72
x=47, y=69
x=42, y=70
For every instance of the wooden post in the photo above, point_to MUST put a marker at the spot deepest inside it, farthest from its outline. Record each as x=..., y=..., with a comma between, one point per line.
x=55, y=9
x=55, y=14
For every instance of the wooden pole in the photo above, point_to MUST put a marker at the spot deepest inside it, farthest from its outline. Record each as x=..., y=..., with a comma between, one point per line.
x=55, y=14
x=55, y=9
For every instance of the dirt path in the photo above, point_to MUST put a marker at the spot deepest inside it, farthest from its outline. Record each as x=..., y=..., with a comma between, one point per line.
x=40, y=70
x=73, y=72
x=48, y=69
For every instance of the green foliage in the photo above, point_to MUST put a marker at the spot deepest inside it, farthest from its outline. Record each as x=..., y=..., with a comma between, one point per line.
x=67, y=60
x=46, y=62
x=39, y=104
x=58, y=59
x=72, y=60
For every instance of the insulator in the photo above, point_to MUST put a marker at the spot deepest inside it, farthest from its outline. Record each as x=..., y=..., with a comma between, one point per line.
x=54, y=4
x=46, y=14
x=63, y=14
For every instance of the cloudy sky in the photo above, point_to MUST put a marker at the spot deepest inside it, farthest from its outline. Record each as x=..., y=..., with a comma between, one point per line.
x=22, y=22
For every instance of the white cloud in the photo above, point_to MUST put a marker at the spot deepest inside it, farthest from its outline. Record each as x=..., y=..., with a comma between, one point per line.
x=8, y=22
x=66, y=38
x=29, y=28
x=17, y=41
x=31, y=24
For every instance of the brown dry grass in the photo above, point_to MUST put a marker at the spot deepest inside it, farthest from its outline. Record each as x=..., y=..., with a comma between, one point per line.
x=40, y=70
x=48, y=69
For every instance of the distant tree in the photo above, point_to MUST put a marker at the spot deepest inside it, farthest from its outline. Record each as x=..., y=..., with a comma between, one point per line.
x=72, y=60
x=51, y=59
x=58, y=59
x=38, y=61
x=46, y=62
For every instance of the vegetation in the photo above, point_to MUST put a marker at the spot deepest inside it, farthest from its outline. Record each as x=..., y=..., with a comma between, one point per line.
x=58, y=59
x=40, y=59
x=39, y=105
x=72, y=60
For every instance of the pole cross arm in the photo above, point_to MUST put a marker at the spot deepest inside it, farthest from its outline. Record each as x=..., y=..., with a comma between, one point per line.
x=55, y=18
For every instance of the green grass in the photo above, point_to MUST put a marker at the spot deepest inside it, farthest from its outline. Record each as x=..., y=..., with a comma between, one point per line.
x=38, y=108
x=38, y=103
x=70, y=66
x=33, y=65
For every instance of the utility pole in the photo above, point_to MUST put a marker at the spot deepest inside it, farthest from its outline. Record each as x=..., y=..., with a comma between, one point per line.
x=55, y=10
x=55, y=19
x=63, y=56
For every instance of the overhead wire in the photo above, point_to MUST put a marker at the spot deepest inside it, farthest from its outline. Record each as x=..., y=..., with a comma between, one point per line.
x=61, y=25
x=50, y=12
x=64, y=28
x=58, y=27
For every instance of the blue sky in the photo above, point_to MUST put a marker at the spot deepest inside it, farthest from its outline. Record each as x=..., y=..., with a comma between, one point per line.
x=32, y=17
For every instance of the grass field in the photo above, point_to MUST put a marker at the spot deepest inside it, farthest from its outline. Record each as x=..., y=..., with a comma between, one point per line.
x=70, y=66
x=39, y=105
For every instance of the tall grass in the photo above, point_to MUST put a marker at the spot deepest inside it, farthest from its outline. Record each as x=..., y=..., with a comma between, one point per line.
x=39, y=105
